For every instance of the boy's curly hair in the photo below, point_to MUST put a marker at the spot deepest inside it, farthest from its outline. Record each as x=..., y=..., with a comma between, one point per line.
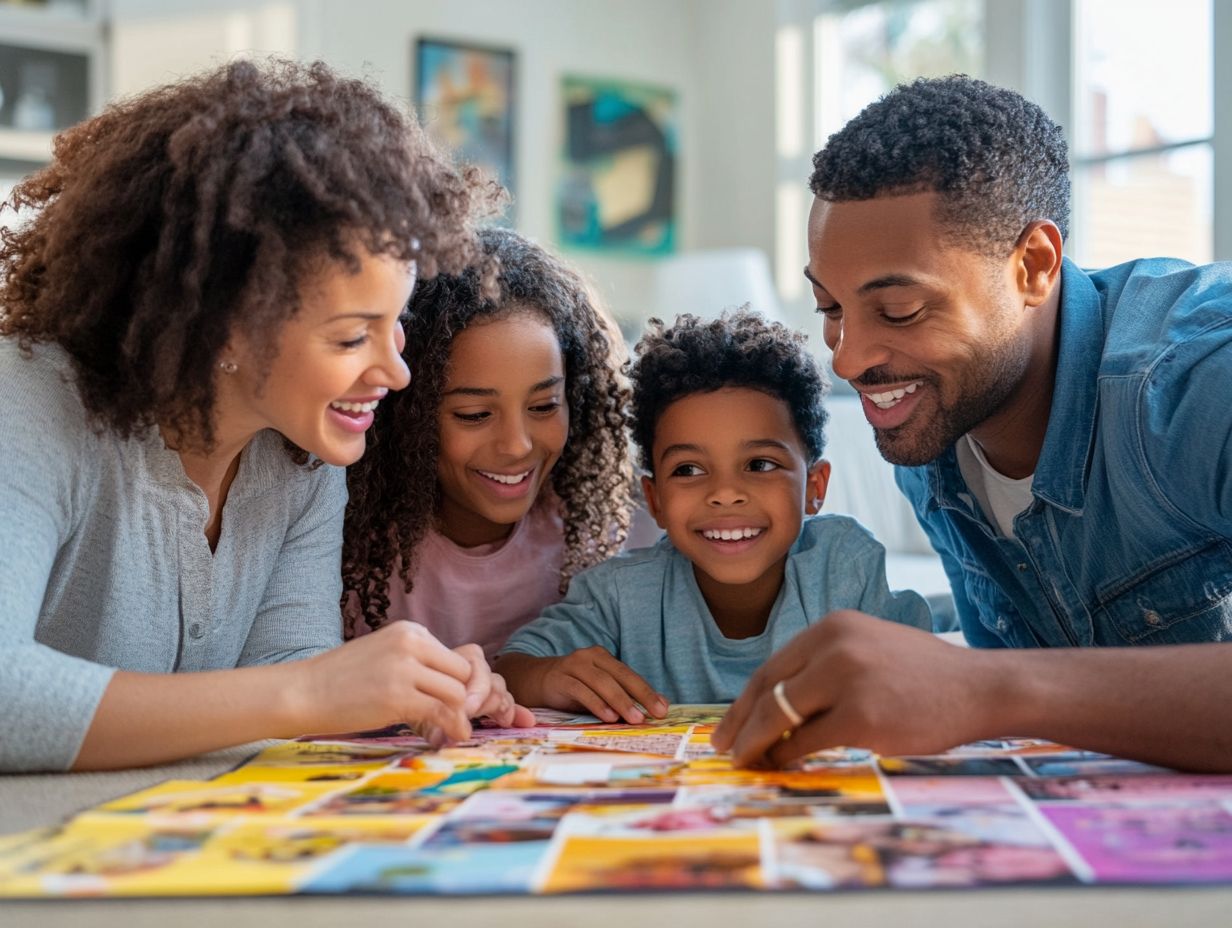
x=996, y=159
x=739, y=349
x=194, y=210
x=391, y=507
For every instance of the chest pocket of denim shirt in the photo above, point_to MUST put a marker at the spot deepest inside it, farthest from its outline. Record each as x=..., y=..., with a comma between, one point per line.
x=1186, y=600
x=996, y=610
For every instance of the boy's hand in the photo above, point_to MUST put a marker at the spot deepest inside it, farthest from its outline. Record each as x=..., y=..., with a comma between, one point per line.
x=589, y=678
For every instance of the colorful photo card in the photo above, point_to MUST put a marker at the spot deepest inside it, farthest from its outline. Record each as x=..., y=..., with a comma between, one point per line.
x=576, y=805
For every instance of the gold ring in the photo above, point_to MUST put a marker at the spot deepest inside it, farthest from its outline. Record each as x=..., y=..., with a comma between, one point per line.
x=789, y=710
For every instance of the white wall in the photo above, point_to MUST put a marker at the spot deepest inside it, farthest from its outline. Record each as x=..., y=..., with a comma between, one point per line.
x=716, y=54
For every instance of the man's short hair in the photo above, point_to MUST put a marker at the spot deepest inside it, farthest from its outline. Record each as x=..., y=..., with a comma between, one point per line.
x=997, y=161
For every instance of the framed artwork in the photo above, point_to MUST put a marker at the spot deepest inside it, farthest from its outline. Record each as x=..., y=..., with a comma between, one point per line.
x=618, y=186
x=465, y=95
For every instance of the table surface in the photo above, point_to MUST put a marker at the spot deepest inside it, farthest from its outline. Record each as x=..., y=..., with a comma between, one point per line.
x=46, y=799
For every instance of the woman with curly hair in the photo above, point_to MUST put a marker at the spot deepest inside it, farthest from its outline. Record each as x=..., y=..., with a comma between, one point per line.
x=196, y=325
x=503, y=470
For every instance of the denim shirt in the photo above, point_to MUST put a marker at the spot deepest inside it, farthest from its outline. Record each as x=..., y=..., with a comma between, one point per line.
x=1128, y=538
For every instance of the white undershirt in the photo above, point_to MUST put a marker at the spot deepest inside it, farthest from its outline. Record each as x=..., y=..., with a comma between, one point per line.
x=1001, y=497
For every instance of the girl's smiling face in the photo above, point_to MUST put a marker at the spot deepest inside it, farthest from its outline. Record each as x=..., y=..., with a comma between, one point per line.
x=504, y=421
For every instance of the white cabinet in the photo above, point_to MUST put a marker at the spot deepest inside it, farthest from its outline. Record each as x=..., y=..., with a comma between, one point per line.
x=52, y=70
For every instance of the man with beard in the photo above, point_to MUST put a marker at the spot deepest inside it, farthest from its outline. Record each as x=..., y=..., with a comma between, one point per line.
x=1065, y=438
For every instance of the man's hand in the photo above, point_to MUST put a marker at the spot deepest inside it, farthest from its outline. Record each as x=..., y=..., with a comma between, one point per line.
x=589, y=678
x=863, y=682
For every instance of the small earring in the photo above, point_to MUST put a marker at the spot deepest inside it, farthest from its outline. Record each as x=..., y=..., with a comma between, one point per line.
x=228, y=367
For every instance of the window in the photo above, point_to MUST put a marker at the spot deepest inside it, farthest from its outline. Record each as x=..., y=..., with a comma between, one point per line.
x=1142, y=149
x=1135, y=84
x=864, y=52
x=846, y=54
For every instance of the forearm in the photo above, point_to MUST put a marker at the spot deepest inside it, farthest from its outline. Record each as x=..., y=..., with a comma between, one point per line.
x=1164, y=705
x=523, y=675
x=154, y=718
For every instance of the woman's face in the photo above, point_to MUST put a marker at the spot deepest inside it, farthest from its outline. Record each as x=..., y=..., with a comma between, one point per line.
x=336, y=359
x=504, y=420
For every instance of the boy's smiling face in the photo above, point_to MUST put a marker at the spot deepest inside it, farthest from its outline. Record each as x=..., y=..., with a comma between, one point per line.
x=731, y=486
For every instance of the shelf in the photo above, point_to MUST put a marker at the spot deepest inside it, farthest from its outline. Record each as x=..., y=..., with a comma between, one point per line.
x=21, y=145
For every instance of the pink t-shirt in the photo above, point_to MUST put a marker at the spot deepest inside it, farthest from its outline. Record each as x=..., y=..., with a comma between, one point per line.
x=486, y=593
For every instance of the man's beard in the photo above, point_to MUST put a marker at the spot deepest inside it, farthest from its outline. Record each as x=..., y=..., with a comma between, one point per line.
x=984, y=389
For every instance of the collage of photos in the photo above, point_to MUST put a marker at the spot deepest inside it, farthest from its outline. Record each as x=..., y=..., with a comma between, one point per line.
x=576, y=805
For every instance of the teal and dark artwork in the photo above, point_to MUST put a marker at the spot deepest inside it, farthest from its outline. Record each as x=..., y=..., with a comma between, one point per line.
x=617, y=192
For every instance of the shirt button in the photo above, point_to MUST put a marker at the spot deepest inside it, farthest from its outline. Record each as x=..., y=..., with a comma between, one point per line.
x=1022, y=567
x=1152, y=617
x=195, y=630
x=1001, y=623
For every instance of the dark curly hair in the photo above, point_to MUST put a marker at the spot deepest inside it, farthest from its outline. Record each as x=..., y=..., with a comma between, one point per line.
x=996, y=159
x=739, y=349
x=194, y=210
x=389, y=513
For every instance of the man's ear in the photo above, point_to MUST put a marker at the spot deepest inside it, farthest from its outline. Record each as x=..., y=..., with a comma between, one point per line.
x=1037, y=260
x=815, y=486
x=651, y=493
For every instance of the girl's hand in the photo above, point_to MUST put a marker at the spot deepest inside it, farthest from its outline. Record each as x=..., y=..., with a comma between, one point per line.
x=590, y=679
x=487, y=695
x=399, y=673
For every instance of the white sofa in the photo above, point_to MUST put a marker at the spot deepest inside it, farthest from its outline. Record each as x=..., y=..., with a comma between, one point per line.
x=862, y=485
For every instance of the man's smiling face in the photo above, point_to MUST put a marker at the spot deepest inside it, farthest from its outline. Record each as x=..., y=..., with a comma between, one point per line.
x=930, y=334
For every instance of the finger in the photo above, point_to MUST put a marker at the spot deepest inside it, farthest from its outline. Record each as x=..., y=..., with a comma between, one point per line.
x=816, y=734
x=612, y=690
x=522, y=717
x=479, y=683
x=782, y=664
x=449, y=724
x=499, y=704
x=767, y=722
x=579, y=690
x=431, y=653
x=636, y=686
x=439, y=687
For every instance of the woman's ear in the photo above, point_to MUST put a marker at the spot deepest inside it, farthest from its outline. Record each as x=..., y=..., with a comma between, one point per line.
x=651, y=494
x=815, y=486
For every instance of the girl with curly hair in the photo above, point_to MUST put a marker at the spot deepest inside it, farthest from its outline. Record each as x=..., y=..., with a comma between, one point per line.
x=503, y=470
x=196, y=325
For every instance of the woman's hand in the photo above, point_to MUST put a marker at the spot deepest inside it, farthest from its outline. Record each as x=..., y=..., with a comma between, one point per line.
x=399, y=673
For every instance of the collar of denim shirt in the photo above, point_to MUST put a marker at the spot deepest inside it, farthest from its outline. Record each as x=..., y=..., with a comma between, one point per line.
x=1064, y=464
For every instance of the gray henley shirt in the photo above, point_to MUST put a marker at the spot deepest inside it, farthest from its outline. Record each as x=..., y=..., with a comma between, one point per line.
x=104, y=562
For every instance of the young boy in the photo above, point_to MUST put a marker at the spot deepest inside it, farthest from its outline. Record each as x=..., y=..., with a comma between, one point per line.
x=729, y=424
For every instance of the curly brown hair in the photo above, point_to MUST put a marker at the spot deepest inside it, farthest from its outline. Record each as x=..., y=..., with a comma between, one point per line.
x=193, y=211
x=389, y=514
x=741, y=348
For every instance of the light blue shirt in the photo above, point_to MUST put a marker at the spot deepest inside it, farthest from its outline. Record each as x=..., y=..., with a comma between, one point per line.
x=1128, y=537
x=646, y=609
